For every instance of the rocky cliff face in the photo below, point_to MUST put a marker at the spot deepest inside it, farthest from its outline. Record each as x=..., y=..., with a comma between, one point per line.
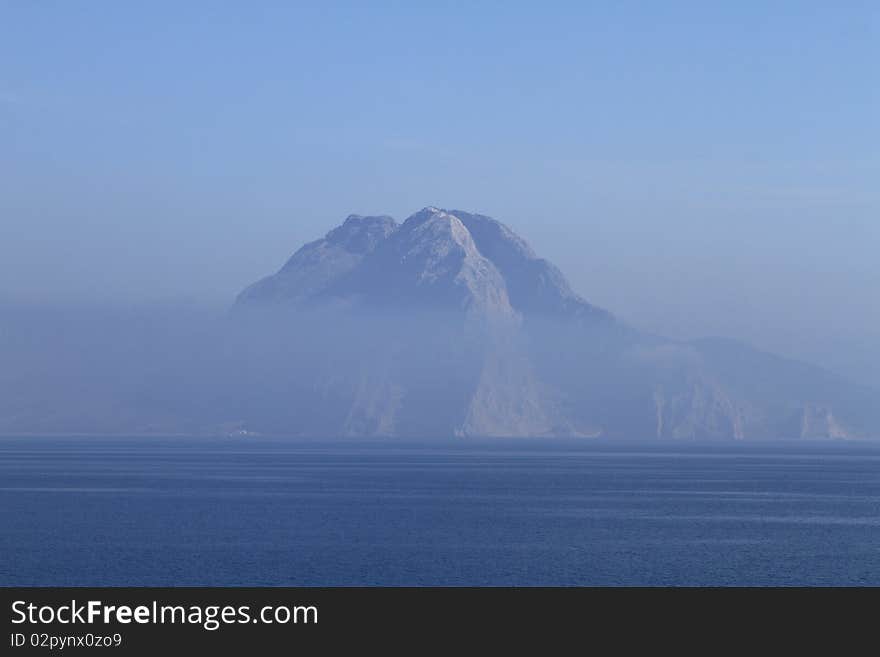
x=461, y=329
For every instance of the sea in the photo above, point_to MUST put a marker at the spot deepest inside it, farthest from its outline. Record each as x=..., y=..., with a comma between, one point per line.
x=249, y=511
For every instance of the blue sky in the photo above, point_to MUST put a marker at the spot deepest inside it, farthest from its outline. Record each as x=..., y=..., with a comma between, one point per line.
x=696, y=167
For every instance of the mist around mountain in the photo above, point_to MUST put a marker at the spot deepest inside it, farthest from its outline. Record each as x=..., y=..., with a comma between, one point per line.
x=447, y=324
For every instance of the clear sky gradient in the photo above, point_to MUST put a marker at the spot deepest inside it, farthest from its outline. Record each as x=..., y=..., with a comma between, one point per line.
x=697, y=168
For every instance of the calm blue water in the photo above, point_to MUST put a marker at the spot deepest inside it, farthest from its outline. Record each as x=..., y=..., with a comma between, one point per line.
x=271, y=512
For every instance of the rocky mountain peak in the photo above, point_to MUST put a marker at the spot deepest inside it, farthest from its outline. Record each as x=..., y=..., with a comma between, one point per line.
x=430, y=262
x=360, y=234
x=436, y=236
x=316, y=267
x=436, y=257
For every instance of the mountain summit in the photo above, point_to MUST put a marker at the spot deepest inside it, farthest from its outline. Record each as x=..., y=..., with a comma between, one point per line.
x=408, y=358
x=438, y=259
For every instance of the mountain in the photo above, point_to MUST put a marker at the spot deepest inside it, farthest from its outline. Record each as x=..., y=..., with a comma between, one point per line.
x=449, y=323
x=435, y=259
